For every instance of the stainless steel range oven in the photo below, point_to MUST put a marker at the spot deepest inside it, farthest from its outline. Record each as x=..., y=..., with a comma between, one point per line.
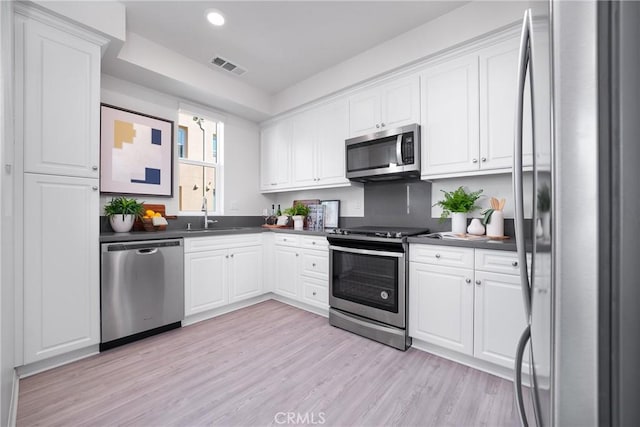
x=368, y=271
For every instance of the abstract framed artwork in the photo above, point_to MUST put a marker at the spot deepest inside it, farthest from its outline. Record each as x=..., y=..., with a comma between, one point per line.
x=136, y=153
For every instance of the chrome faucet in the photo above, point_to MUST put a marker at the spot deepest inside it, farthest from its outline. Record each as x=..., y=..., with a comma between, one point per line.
x=207, y=221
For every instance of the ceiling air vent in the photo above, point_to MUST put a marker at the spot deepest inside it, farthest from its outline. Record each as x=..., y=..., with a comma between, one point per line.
x=223, y=63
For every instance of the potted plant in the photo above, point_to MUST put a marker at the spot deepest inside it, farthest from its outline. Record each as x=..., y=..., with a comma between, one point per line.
x=458, y=204
x=297, y=212
x=122, y=212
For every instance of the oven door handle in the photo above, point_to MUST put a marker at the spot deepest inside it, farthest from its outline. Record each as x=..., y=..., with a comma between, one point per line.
x=366, y=251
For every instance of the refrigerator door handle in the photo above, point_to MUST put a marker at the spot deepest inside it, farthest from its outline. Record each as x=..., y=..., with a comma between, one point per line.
x=522, y=344
x=518, y=188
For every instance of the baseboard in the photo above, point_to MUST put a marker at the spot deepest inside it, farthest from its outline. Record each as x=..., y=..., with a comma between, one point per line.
x=13, y=405
x=470, y=361
x=324, y=312
x=53, y=362
x=199, y=317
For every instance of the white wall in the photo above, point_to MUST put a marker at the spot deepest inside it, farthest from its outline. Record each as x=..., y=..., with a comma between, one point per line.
x=351, y=198
x=497, y=186
x=459, y=26
x=241, y=159
x=7, y=286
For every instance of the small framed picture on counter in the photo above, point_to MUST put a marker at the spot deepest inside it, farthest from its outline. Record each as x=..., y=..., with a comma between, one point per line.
x=136, y=153
x=331, y=213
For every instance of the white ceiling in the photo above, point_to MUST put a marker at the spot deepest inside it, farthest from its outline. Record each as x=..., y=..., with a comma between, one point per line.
x=279, y=42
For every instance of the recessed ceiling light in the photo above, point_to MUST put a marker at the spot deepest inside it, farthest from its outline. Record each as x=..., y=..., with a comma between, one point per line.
x=215, y=17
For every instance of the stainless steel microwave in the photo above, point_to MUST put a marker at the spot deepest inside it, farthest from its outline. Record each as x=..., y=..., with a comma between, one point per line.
x=386, y=155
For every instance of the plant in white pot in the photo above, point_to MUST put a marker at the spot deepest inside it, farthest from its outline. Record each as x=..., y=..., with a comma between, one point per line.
x=297, y=212
x=458, y=204
x=122, y=213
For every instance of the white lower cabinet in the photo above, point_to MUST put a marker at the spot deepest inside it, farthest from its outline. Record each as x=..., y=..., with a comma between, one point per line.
x=205, y=278
x=499, y=317
x=221, y=270
x=441, y=306
x=469, y=308
x=245, y=273
x=61, y=271
x=287, y=271
x=302, y=269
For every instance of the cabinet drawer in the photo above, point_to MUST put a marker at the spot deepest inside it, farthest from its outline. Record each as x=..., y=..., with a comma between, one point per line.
x=287, y=240
x=315, y=294
x=314, y=242
x=210, y=243
x=498, y=261
x=315, y=263
x=441, y=255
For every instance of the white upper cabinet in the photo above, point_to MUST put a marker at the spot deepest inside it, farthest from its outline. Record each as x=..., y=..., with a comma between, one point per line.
x=303, y=148
x=275, y=145
x=498, y=89
x=315, y=141
x=450, y=117
x=468, y=113
x=385, y=107
x=59, y=74
x=332, y=131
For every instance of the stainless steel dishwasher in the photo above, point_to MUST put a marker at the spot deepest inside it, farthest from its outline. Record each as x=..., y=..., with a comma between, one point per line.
x=142, y=289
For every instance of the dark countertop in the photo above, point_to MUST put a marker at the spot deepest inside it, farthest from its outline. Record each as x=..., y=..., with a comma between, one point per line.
x=110, y=237
x=501, y=245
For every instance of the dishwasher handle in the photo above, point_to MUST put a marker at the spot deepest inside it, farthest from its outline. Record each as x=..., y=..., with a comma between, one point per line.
x=147, y=251
x=141, y=245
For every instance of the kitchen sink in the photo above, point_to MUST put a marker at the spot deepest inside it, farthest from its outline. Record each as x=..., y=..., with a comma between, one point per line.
x=214, y=229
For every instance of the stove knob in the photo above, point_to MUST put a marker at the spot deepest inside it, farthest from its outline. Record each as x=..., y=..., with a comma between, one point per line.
x=389, y=235
x=384, y=295
x=398, y=235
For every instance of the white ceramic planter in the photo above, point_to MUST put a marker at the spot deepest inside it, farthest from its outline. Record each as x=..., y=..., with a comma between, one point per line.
x=459, y=222
x=298, y=222
x=495, y=226
x=122, y=224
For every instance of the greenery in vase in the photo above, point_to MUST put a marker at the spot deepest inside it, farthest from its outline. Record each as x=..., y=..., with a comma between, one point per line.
x=124, y=206
x=458, y=201
x=297, y=209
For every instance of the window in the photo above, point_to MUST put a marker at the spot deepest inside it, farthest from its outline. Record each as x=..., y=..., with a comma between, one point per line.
x=199, y=161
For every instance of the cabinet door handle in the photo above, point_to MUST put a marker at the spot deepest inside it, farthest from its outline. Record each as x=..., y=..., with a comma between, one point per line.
x=95, y=168
x=226, y=256
x=467, y=280
x=297, y=254
x=377, y=126
x=313, y=243
x=314, y=293
x=231, y=255
x=484, y=159
x=284, y=239
x=313, y=265
x=94, y=188
x=514, y=264
x=382, y=124
x=478, y=282
x=474, y=161
x=438, y=256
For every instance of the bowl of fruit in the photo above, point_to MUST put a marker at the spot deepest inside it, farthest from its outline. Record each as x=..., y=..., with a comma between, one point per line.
x=153, y=220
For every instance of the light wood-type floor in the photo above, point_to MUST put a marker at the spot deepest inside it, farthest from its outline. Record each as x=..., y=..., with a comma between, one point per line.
x=268, y=364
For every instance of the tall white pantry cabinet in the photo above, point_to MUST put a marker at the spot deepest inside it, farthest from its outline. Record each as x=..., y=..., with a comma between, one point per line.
x=57, y=183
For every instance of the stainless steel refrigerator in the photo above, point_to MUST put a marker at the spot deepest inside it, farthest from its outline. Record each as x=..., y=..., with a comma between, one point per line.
x=558, y=349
